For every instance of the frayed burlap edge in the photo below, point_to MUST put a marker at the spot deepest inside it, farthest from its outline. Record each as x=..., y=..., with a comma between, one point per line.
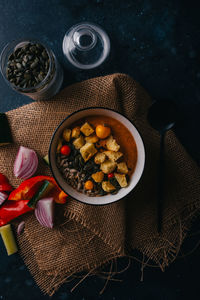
x=170, y=253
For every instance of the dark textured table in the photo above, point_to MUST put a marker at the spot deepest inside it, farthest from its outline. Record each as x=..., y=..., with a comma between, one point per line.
x=157, y=43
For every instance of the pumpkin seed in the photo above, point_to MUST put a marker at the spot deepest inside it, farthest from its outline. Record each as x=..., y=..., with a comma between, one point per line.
x=18, y=65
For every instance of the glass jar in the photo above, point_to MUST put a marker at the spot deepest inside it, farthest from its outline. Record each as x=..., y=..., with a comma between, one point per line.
x=44, y=89
x=86, y=46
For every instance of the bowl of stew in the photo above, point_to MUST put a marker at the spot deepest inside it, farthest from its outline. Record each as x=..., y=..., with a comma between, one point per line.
x=97, y=155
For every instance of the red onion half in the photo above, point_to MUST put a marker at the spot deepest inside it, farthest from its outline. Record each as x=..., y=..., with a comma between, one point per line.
x=26, y=163
x=44, y=212
x=3, y=197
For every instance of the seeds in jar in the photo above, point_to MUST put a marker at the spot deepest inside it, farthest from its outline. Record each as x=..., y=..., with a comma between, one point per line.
x=28, y=65
x=92, y=162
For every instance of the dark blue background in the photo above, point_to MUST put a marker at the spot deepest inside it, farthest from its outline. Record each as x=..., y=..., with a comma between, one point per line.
x=157, y=42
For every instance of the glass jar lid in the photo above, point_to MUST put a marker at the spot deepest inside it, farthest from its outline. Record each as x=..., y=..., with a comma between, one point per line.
x=86, y=45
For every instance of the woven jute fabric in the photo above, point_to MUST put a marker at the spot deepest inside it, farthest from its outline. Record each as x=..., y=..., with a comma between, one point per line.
x=86, y=237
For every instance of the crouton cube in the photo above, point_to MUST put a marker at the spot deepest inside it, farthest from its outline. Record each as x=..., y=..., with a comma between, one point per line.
x=92, y=138
x=107, y=186
x=122, y=168
x=121, y=178
x=98, y=176
x=99, y=158
x=108, y=166
x=87, y=129
x=87, y=151
x=112, y=155
x=79, y=142
x=111, y=144
x=76, y=132
x=67, y=134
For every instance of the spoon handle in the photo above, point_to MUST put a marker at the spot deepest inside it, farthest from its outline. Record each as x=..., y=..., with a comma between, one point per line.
x=161, y=173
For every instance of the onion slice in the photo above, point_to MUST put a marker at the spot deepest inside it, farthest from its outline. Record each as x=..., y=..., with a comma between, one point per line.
x=3, y=197
x=44, y=212
x=20, y=227
x=26, y=163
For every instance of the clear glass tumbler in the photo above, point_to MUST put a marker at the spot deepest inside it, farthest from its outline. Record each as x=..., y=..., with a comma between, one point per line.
x=86, y=45
x=48, y=86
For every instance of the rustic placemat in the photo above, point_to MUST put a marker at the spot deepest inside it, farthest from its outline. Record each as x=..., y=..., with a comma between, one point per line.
x=91, y=236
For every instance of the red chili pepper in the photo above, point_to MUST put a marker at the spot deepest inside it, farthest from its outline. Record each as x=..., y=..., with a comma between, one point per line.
x=4, y=184
x=28, y=188
x=110, y=175
x=13, y=209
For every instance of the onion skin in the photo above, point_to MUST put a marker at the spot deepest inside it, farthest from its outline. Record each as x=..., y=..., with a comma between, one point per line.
x=20, y=228
x=44, y=212
x=26, y=163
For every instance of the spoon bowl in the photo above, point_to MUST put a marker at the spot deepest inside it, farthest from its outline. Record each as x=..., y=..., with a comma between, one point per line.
x=162, y=115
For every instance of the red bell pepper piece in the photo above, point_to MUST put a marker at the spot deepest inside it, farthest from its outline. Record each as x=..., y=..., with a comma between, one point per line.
x=62, y=198
x=13, y=209
x=28, y=188
x=4, y=184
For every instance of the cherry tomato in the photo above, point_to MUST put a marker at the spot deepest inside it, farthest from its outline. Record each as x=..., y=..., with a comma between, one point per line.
x=89, y=185
x=65, y=150
x=110, y=175
x=102, y=131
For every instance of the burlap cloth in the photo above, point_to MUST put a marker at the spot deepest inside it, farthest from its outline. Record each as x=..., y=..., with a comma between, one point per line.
x=91, y=236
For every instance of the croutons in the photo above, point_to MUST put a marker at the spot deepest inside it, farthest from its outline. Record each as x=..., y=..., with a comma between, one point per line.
x=79, y=142
x=76, y=132
x=99, y=158
x=107, y=186
x=87, y=129
x=87, y=151
x=111, y=144
x=108, y=166
x=122, y=168
x=67, y=134
x=112, y=155
x=92, y=138
x=121, y=178
x=98, y=176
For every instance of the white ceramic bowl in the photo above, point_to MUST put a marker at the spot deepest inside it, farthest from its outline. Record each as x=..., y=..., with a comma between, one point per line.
x=135, y=176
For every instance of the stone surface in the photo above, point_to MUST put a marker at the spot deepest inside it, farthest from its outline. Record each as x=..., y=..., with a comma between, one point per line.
x=157, y=43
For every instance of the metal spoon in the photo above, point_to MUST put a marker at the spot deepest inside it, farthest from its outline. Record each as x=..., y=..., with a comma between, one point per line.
x=161, y=116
